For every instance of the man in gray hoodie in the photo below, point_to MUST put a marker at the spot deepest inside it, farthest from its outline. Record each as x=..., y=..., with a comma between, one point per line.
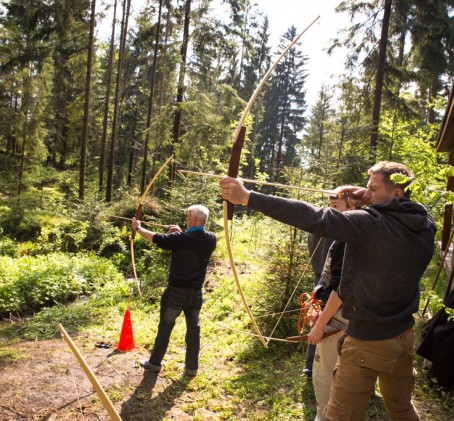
x=389, y=244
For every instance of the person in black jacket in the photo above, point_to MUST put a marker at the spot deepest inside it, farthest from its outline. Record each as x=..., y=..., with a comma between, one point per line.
x=191, y=252
x=318, y=250
x=389, y=244
x=326, y=291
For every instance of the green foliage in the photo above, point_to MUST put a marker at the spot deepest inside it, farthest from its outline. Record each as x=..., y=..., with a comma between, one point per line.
x=255, y=382
x=435, y=303
x=41, y=89
x=30, y=283
x=8, y=247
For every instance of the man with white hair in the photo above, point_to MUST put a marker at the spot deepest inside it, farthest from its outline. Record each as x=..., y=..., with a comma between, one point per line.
x=191, y=252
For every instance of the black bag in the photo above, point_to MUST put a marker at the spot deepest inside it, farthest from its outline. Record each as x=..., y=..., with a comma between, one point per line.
x=438, y=346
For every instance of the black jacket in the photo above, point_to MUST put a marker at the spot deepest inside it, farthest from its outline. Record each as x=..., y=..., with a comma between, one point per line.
x=191, y=252
x=438, y=346
x=388, y=248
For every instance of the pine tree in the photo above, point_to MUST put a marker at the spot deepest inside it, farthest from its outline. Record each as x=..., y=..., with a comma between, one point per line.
x=285, y=104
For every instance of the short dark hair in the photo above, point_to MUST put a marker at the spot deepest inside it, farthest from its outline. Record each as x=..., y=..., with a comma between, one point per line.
x=387, y=169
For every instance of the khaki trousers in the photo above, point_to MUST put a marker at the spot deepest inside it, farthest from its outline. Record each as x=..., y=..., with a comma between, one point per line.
x=322, y=372
x=357, y=368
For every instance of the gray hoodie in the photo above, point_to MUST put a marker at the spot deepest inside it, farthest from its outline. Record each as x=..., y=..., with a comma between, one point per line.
x=388, y=248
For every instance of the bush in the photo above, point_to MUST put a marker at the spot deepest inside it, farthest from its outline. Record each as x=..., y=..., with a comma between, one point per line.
x=28, y=283
x=8, y=246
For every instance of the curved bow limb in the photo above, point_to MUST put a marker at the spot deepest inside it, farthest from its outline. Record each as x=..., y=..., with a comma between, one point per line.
x=137, y=216
x=228, y=216
x=265, y=78
x=237, y=280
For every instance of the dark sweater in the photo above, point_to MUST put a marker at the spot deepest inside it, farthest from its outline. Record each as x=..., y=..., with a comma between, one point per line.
x=388, y=248
x=191, y=252
x=331, y=275
x=318, y=248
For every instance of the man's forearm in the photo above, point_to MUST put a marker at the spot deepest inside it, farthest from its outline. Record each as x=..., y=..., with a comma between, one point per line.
x=332, y=305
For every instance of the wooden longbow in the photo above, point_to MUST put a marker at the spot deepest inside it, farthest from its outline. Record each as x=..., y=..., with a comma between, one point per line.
x=238, y=141
x=138, y=212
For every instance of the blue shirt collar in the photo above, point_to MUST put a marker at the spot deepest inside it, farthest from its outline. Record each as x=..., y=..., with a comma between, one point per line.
x=195, y=229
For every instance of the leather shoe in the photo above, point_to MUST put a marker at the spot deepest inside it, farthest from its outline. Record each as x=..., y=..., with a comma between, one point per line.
x=146, y=364
x=190, y=373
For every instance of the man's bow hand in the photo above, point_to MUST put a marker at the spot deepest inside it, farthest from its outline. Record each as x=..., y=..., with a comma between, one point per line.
x=234, y=191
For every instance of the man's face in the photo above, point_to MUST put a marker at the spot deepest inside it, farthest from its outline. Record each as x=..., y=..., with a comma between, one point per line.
x=339, y=204
x=377, y=192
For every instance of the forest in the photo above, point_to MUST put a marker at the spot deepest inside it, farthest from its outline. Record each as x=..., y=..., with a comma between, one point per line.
x=94, y=131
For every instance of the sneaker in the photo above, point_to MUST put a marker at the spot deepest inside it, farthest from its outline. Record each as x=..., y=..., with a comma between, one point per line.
x=190, y=373
x=146, y=364
x=307, y=372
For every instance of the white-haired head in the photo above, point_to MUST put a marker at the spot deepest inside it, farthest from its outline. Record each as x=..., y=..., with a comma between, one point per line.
x=200, y=213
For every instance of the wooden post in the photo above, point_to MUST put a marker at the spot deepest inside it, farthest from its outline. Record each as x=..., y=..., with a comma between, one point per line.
x=113, y=414
x=447, y=217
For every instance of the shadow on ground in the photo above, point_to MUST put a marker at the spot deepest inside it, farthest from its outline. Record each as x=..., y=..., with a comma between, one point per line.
x=143, y=405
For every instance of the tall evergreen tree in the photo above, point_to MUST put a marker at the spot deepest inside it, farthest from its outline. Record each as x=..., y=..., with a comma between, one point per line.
x=285, y=104
x=118, y=95
x=84, y=141
x=69, y=37
x=256, y=66
x=315, y=141
x=26, y=30
x=108, y=88
x=432, y=34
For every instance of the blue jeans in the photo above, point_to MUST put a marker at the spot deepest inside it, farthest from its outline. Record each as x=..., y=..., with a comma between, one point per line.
x=174, y=301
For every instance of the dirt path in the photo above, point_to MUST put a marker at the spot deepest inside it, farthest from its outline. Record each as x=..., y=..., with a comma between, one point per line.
x=43, y=381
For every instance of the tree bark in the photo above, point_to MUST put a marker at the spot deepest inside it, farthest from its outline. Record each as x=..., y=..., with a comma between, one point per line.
x=102, y=154
x=180, y=90
x=83, y=145
x=379, y=79
x=150, y=99
x=113, y=139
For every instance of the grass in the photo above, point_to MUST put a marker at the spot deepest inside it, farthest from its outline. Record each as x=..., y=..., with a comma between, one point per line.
x=238, y=378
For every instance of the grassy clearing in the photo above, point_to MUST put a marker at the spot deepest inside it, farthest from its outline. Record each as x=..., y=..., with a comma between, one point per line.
x=238, y=378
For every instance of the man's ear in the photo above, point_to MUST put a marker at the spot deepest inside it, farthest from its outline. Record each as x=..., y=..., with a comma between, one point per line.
x=398, y=193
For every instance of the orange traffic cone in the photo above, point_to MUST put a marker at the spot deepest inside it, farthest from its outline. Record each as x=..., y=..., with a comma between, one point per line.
x=126, y=342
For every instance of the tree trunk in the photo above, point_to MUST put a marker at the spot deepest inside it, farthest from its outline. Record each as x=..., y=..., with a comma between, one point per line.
x=102, y=154
x=162, y=60
x=25, y=132
x=83, y=146
x=237, y=80
x=284, y=112
x=379, y=79
x=400, y=63
x=180, y=90
x=341, y=143
x=22, y=162
x=113, y=139
x=321, y=126
x=433, y=90
x=150, y=99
